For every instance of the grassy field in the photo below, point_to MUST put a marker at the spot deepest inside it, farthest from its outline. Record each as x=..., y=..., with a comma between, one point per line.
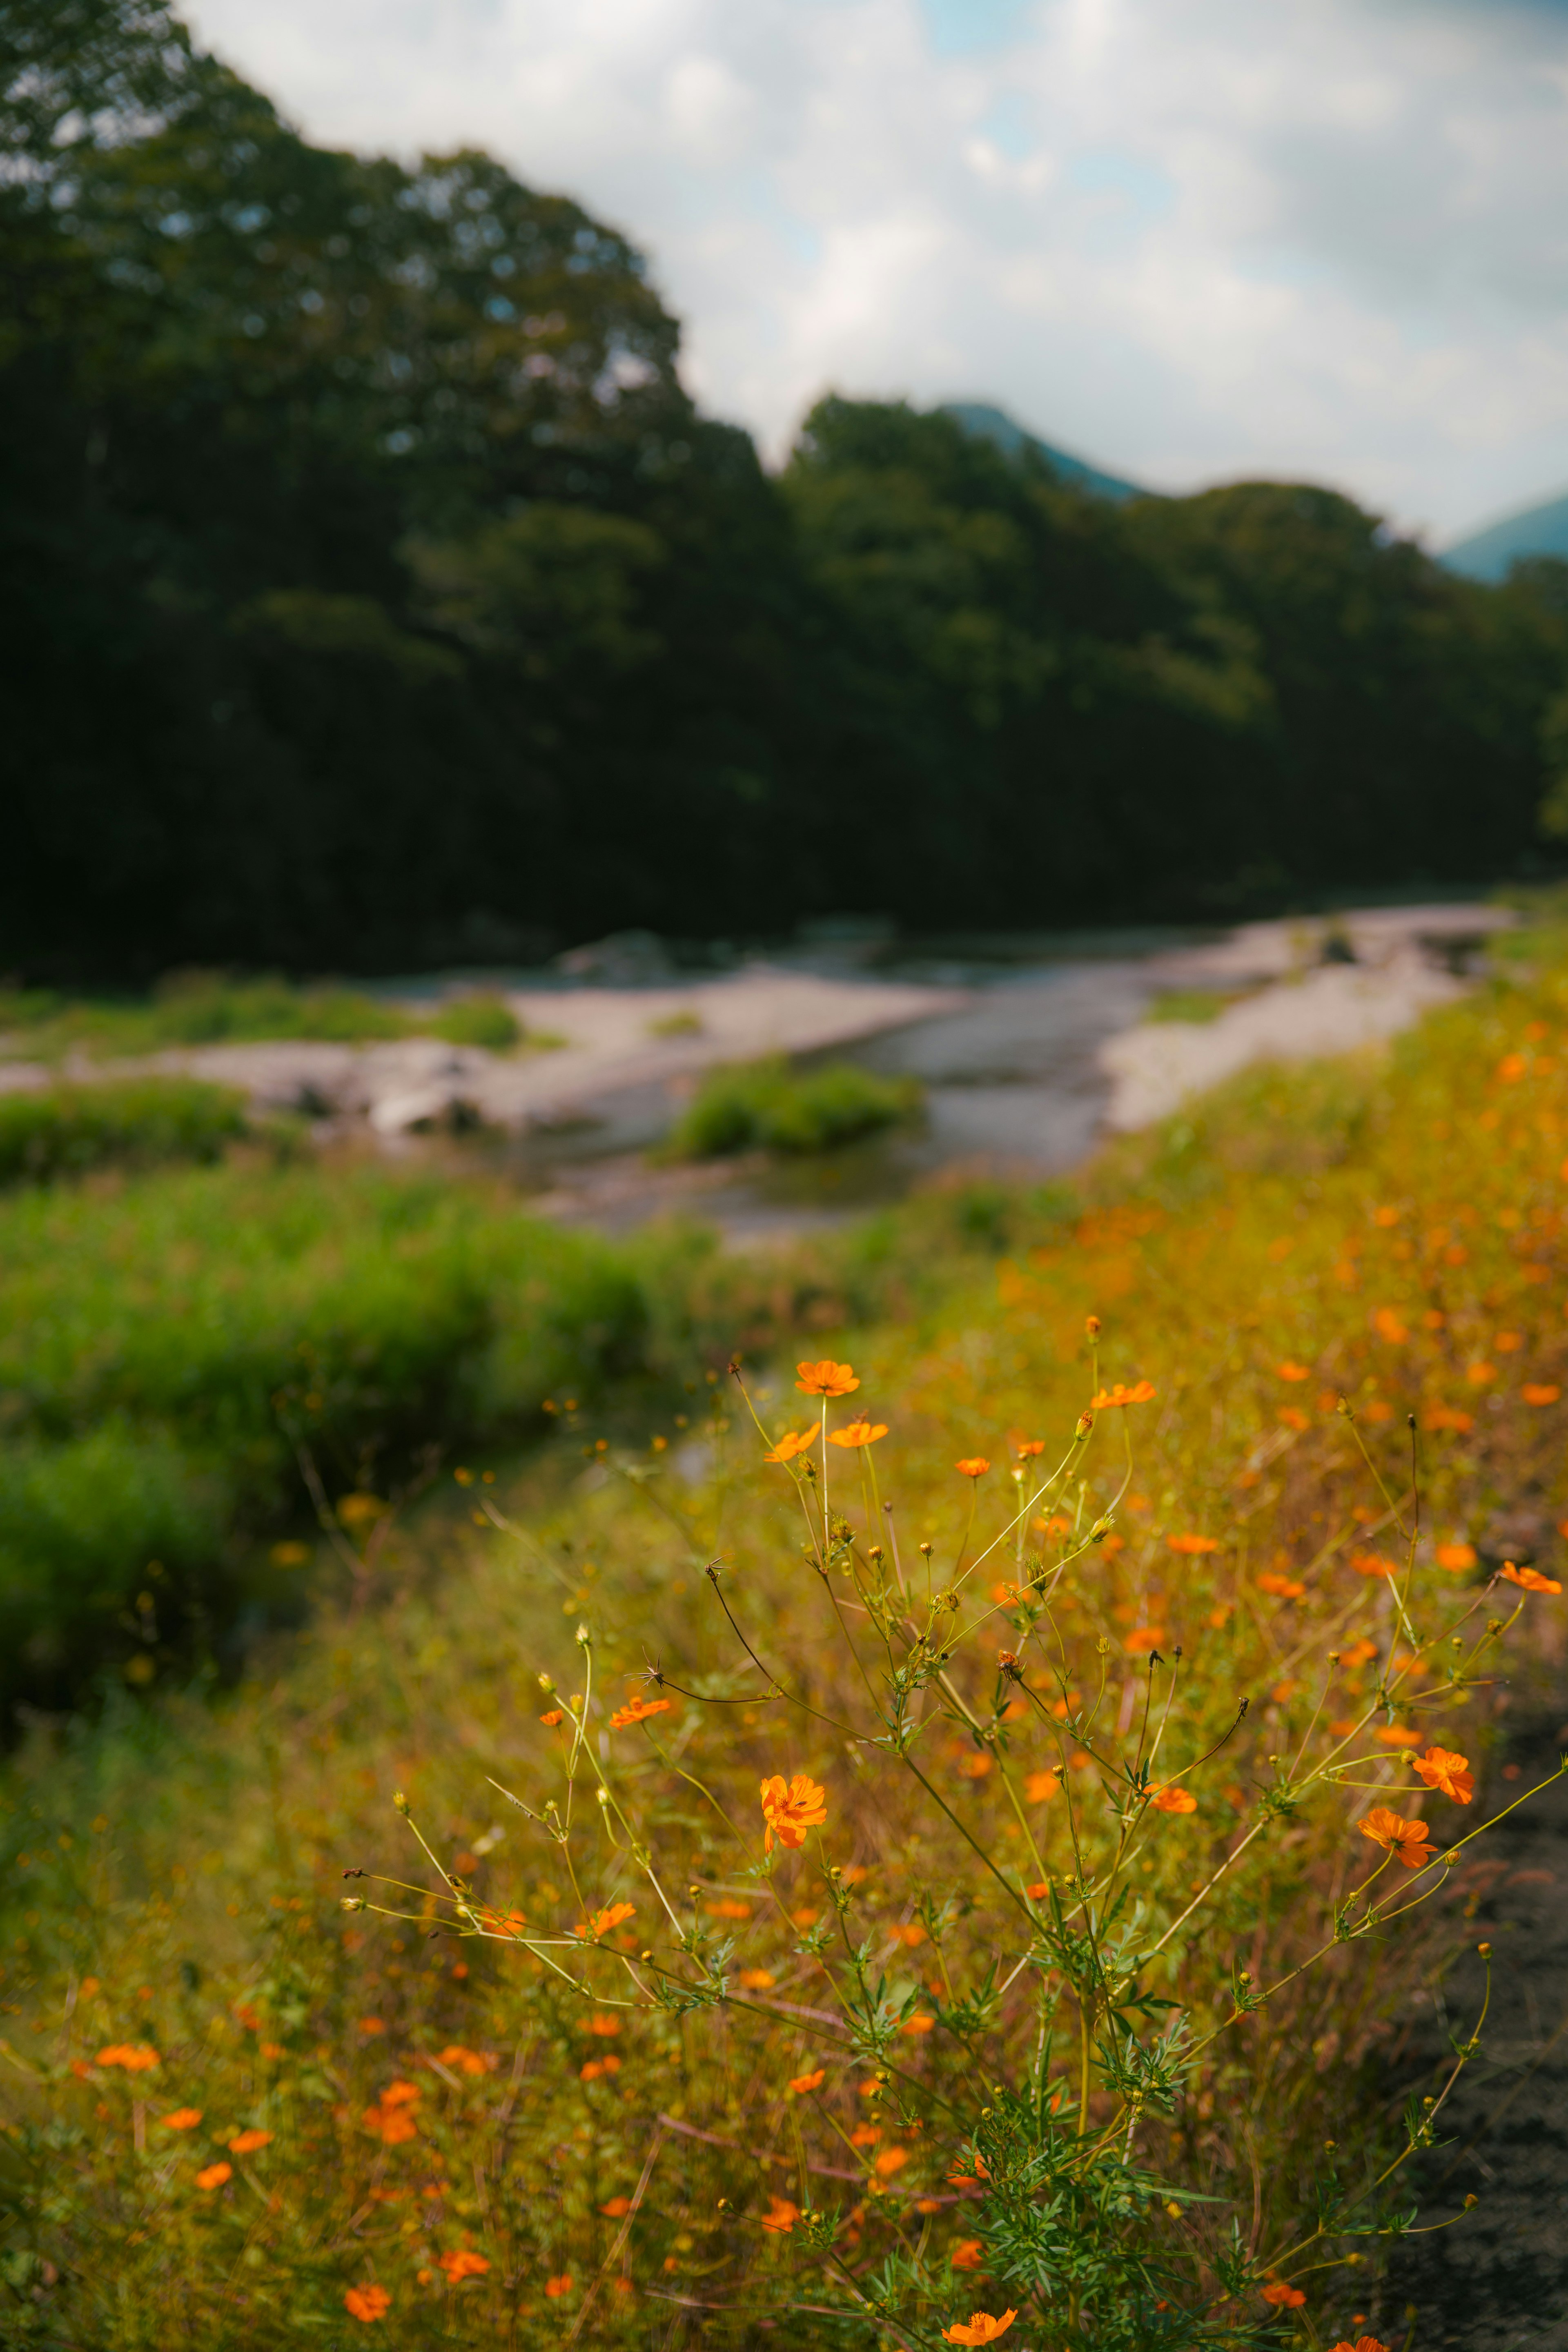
x=202, y=1008
x=237, y=2111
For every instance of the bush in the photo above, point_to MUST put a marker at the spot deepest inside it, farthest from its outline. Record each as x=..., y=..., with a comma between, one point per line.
x=770, y=1106
x=67, y=1130
x=167, y=1353
x=480, y=1019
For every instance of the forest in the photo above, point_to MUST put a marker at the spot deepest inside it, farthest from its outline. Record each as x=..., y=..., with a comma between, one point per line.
x=376, y=596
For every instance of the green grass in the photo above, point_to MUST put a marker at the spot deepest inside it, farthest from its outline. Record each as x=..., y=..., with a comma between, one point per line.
x=768, y=1106
x=1197, y=1005
x=205, y=1008
x=66, y=1130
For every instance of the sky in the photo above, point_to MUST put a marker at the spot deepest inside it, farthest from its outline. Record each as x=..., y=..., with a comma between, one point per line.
x=1191, y=240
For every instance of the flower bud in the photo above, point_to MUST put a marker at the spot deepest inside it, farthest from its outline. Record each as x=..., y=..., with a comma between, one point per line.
x=547, y=1683
x=1092, y=1326
x=400, y=1803
x=351, y=1902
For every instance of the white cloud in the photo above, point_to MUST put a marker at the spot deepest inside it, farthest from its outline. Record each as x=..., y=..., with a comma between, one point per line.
x=1320, y=238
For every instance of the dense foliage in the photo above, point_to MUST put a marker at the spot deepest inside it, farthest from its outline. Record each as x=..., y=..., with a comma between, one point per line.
x=373, y=593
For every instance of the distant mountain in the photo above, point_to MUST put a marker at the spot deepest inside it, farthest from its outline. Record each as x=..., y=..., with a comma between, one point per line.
x=994, y=424
x=1487, y=555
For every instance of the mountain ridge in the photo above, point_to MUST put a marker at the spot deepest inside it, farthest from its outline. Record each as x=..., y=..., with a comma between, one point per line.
x=988, y=423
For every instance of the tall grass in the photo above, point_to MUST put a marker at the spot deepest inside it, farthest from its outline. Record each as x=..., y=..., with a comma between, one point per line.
x=66, y=1130
x=1391, y=1233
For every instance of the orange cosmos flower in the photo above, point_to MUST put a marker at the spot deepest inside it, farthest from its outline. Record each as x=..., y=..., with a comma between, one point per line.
x=607, y=2027
x=857, y=1432
x=558, y=2286
x=921, y=2022
x=973, y=1465
x=245, y=2143
x=460, y=2265
x=1282, y=2296
x=1448, y=1416
x=1038, y=1894
x=1039, y=1788
x=552, y=1719
x=1145, y=1638
x=1407, y=1840
x=781, y=2216
x=367, y=2302
x=1372, y=1563
x=1289, y=1371
x=183, y=2119
x=1194, y=1544
x=1139, y=1393
x=1441, y=1769
x=1529, y=1580
x=1284, y=1588
x=1390, y=1328
x=1025, y=1446
x=1540, y=1392
x=968, y=2254
x=804, y=2083
x=1170, y=1800
x=891, y=2160
x=215, y=2175
x=1398, y=1735
x=616, y=2207
x=1456, y=1556
x=472, y=2062
x=1478, y=1374
x=790, y=1812
x=792, y=1443
x=637, y=1710
x=979, y=2329
x=604, y=1921
x=136, y=2057
x=826, y=1379
x=1362, y=2344
x=757, y=1979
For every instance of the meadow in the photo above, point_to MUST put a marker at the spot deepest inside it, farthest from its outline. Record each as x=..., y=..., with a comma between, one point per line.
x=819, y=1868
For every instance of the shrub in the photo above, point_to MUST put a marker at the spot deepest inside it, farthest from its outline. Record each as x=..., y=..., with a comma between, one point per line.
x=481, y=1018
x=65, y=1130
x=768, y=1105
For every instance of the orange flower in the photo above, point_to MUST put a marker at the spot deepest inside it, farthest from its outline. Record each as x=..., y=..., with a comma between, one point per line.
x=1407, y=1840
x=552, y=1719
x=975, y=1768
x=1441, y=1769
x=857, y=1432
x=1478, y=1374
x=1540, y=1392
x=921, y=2022
x=1193, y=1544
x=781, y=2216
x=1372, y=1563
x=215, y=2175
x=1025, y=1446
x=183, y=2119
x=804, y=2083
x=1037, y=1894
x=1289, y=1371
x=604, y=1921
x=1390, y=1328
x=136, y=2057
x=472, y=2062
x=1448, y=1416
x=558, y=2286
x=1283, y=2296
x=792, y=1443
x=1399, y=1735
x=911, y=1934
x=1284, y=1588
x=1362, y=2344
x=968, y=2254
x=1529, y=1580
x=826, y=1379
x=598, y=2066
x=979, y=2329
x=757, y=1979
x=1171, y=1800
x=1139, y=1393
x=245, y=2143
x=973, y=1465
x=1039, y=1788
x=367, y=2302
x=1292, y=1417
x=460, y=2265
x=637, y=1710
x=1145, y=1638
x=616, y=2207
x=605, y=2027
x=891, y=2160
x=790, y=1812
x=1456, y=1556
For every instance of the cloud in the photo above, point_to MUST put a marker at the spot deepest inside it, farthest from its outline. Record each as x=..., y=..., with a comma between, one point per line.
x=1322, y=237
